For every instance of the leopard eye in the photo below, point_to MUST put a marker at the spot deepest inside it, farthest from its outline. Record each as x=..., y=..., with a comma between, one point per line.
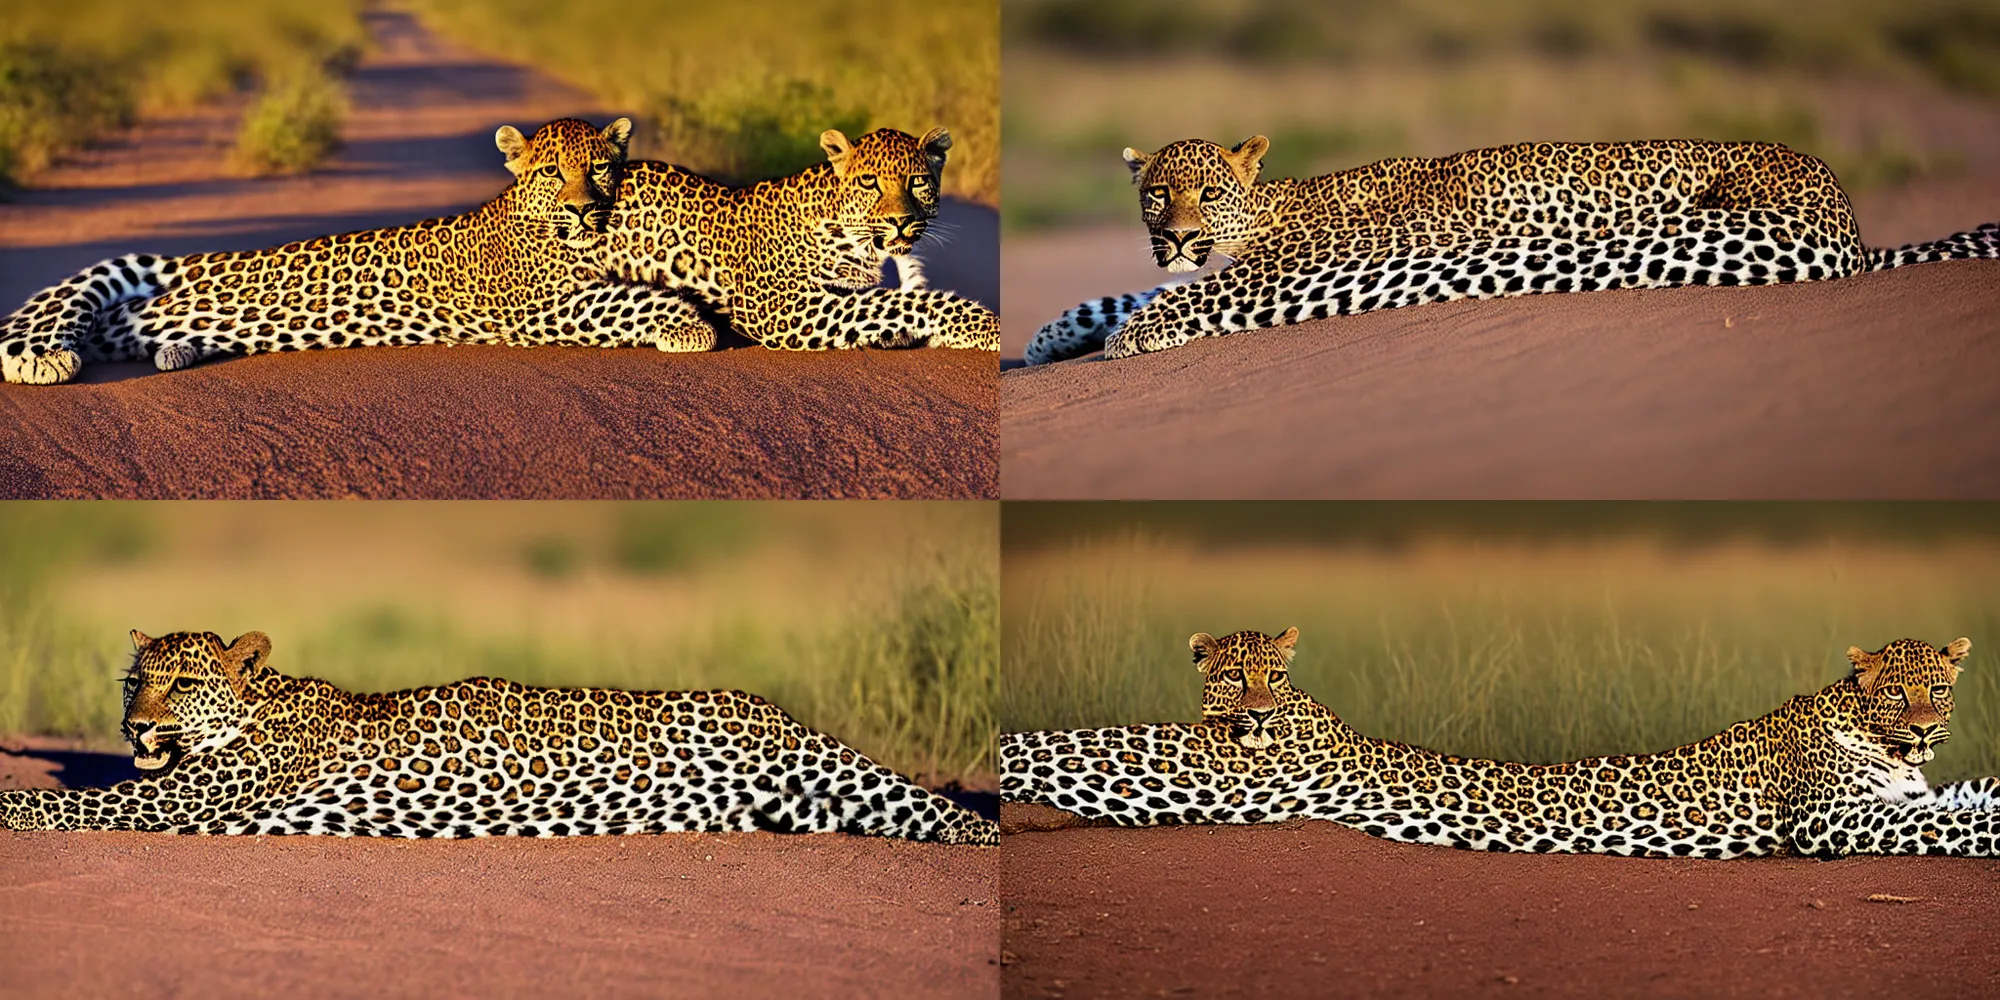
x=1940, y=691
x=1209, y=194
x=1157, y=193
x=183, y=685
x=551, y=171
x=1233, y=676
x=869, y=181
x=1277, y=675
x=1895, y=693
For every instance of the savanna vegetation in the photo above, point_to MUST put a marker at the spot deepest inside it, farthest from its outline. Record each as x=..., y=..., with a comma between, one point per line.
x=1885, y=91
x=743, y=90
x=884, y=634
x=1536, y=634
x=70, y=70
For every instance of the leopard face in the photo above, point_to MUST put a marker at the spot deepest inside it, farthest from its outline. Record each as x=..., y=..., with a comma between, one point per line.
x=187, y=693
x=1905, y=688
x=1195, y=198
x=567, y=173
x=1247, y=683
x=889, y=186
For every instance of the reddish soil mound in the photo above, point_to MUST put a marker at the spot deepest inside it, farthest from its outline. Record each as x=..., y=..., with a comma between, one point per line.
x=1314, y=909
x=436, y=422
x=1876, y=386
x=104, y=914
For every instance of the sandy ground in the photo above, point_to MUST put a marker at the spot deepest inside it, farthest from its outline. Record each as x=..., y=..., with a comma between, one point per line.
x=420, y=144
x=1315, y=909
x=98, y=914
x=1725, y=393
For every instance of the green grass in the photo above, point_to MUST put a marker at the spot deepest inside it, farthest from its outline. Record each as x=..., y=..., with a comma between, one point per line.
x=1536, y=651
x=72, y=69
x=743, y=90
x=294, y=125
x=1338, y=85
x=884, y=636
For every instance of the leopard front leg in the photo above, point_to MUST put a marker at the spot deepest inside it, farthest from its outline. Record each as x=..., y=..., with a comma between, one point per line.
x=1842, y=828
x=119, y=807
x=876, y=317
x=622, y=315
x=41, y=343
x=1085, y=328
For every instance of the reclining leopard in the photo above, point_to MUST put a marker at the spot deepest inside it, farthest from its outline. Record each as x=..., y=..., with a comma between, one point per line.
x=1513, y=220
x=1831, y=773
x=794, y=263
x=514, y=270
x=229, y=745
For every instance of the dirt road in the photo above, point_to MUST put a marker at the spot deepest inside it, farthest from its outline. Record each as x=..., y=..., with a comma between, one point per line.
x=412, y=423
x=1315, y=909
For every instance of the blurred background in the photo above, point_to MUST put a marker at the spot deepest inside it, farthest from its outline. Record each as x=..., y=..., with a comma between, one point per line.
x=875, y=622
x=1531, y=632
x=739, y=90
x=1901, y=97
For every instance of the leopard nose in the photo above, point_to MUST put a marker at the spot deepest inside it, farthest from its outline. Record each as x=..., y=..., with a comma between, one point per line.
x=1927, y=734
x=135, y=730
x=1260, y=715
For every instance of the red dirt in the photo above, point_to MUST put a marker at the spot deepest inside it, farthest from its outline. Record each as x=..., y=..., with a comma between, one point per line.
x=474, y=422
x=1875, y=386
x=1315, y=909
x=1688, y=393
x=102, y=914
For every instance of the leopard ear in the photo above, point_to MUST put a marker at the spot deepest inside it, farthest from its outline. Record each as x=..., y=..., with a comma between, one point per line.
x=1866, y=666
x=247, y=660
x=139, y=640
x=836, y=147
x=514, y=145
x=1136, y=162
x=619, y=135
x=1288, y=643
x=1955, y=652
x=936, y=143
x=1204, y=647
x=1248, y=159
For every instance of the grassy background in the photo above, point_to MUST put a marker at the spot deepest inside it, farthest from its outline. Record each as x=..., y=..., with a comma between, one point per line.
x=1525, y=633
x=739, y=90
x=874, y=622
x=743, y=90
x=72, y=69
x=1886, y=91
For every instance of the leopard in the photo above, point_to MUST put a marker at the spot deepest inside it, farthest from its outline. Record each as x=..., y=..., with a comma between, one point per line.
x=225, y=743
x=1521, y=219
x=1827, y=774
x=517, y=270
x=796, y=263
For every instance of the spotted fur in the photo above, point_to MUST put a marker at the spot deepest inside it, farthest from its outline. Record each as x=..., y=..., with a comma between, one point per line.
x=796, y=263
x=515, y=270
x=229, y=745
x=1513, y=220
x=1831, y=773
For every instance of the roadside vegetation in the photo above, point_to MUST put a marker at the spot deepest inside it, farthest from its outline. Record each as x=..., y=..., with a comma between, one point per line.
x=72, y=70
x=743, y=90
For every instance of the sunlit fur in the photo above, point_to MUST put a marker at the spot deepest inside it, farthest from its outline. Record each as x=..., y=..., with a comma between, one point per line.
x=229, y=745
x=1830, y=773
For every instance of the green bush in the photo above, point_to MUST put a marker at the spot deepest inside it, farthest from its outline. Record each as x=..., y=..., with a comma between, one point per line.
x=294, y=125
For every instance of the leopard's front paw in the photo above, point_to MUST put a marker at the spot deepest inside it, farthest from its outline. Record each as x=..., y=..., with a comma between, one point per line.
x=17, y=811
x=51, y=367
x=174, y=357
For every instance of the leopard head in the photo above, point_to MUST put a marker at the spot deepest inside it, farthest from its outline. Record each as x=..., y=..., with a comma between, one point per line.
x=188, y=693
x=1195, y=198
x=888, y=184
x=1906, y=695
x=567, y=175
x=1247, y=683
